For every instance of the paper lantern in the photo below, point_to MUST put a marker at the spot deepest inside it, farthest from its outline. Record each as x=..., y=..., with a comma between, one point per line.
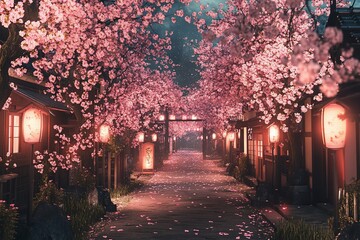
x=141, y=137
x=154, y=137
x=274, y=134
x=213, y=136
x=193, y=117
x=231, y=136
x=161, y=118
x=172, y=117
x=32, y=125
x=104, y=133
x=224, y=134
x=333, y=126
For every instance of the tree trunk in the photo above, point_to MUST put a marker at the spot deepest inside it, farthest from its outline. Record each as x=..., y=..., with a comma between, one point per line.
x=9, y=51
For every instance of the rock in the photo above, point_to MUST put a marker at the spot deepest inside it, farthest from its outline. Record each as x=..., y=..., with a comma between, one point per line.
x=105, y=200
x=351, y=232
x=50, y=223
x=93, y=197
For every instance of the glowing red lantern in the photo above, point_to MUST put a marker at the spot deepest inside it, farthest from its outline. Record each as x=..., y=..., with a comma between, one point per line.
x=32, y=125
x=104, y=133
x=213, y=136
x=231, y=136
x=333, y=126
x=154, y=137
x=141, y=137
x=274, y=134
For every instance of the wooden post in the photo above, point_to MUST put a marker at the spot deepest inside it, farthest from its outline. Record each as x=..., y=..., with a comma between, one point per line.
x=347, y=204
x=116, y=169
x=355, y=208
x=109, y=171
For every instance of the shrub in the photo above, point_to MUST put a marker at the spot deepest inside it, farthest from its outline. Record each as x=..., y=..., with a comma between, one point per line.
x=85, y=179
x=123, y=190
x=82, y=215
x=8, y=221
x=49, y=193
x=299, y=230
x=243, y=165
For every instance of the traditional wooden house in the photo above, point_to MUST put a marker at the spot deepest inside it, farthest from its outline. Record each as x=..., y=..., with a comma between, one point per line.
x=15, y=188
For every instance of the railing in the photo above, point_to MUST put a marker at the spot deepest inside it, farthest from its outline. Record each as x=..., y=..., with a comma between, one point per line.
x=349, y=204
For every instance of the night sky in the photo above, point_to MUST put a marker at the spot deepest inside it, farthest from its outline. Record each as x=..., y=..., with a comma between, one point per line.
x=185, y=36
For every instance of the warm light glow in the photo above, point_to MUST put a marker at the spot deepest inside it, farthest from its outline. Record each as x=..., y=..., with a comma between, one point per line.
x=213, y=136
x=224, y=134
x=104, y=133
x=161, y=118
x=141, y=137
x=193, y=117
x=202, y=137
x=154, y=137
x=274, y=134
x=333, y=126
x=184, y=117
x=174, y=138
x=231, y=136
x=147, y=156
x=172, y=117
x=32, y=125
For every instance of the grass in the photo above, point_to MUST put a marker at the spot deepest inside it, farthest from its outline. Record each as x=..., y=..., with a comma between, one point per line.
x=82, y=215
x=126, y=189
x=299, y=230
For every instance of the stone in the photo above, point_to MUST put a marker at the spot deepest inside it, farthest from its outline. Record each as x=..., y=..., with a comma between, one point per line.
x=49, y=222
x=351, y=232
x=93, y=197
x=105, y=200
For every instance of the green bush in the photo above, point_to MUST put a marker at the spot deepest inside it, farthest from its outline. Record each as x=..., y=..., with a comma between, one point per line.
x=82, y=215
x=49, y=193
x=85, y=179
x=8, y=221
x=299, y=230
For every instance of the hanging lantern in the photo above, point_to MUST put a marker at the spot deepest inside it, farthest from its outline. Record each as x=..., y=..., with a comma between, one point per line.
x=172, y=117
x=231, y=136
x=141, y=137
x=193, y=117
x=104, y=133
x=154, y=137
x=333, y=126
x=224, y=134
x=161, y=118
x=213, y=136
x=274, y=133
x=32, y=125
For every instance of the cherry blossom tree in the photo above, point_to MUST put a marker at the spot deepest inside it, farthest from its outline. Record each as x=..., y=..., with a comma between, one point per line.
x=93, y=56
x=267, y=56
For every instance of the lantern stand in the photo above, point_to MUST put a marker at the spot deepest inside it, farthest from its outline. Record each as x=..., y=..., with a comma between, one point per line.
x=334, y=136
x=274, y=138
x=104, y=137
x=231, y=146
x=32, y=131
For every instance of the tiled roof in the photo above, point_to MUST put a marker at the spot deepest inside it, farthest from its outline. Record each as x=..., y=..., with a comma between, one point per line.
x=348, y=20
x=42, y=99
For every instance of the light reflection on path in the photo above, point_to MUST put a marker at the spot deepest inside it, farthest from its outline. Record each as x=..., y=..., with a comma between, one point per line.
x=189, y=198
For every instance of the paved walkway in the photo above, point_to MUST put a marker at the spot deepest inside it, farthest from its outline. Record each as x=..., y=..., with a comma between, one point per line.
x=189, y=198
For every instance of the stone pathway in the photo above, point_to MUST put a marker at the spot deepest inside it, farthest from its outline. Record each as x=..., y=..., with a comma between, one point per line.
x=189, y=198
